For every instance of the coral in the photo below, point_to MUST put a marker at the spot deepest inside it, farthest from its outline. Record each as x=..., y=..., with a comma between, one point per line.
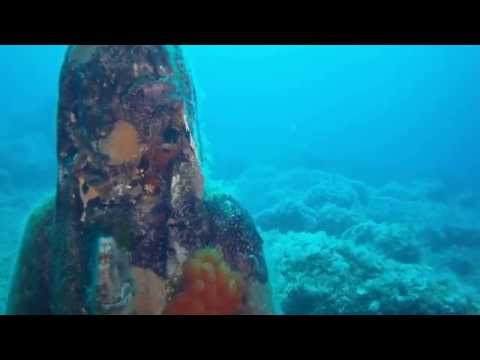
x=463, y=237
x=434, y=238
x=314, y=187
x=288, y=216
x=420, y=212
x=247, y=187
x=389, y=209
x=397, y=241
x=296, y=216
x=334, y=220
x=209, y=286
x=318, y=188
x=460, y=265
x=340, y=194
x=420, y=203
x=320, y=274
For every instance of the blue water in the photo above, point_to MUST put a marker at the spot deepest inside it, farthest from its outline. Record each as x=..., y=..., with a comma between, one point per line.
x=345, y=156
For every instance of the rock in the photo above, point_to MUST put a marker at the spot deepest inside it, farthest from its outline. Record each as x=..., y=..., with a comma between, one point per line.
x=334, y=220
x=338, y=194
x=461, y=266
x=396, y=241
x=463, y=237
x=288, y=216
x=319, y=274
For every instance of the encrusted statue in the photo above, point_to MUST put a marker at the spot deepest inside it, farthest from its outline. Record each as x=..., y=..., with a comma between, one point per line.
x=130, y=229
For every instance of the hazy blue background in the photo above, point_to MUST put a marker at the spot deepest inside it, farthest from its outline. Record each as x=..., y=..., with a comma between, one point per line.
x=378, y=112
x=372, y=113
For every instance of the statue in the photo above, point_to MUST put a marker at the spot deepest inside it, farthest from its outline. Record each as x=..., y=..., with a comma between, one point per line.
x=130, y=229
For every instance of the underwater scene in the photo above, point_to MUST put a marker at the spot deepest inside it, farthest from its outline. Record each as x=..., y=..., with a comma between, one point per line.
x=215, y=179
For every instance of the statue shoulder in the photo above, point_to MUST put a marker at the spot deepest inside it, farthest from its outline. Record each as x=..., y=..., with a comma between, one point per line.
x=40, y=221
x=233, y=228
x=229, y=215
x=29, y=282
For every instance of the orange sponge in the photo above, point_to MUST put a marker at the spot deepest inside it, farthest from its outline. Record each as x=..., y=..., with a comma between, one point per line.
x=209, y=286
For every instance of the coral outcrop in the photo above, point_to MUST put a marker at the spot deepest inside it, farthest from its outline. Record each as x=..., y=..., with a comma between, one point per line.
x=319, y=274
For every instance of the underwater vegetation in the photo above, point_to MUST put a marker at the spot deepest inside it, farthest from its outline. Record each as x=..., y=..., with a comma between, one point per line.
x=336, y=245
x=320, y=274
